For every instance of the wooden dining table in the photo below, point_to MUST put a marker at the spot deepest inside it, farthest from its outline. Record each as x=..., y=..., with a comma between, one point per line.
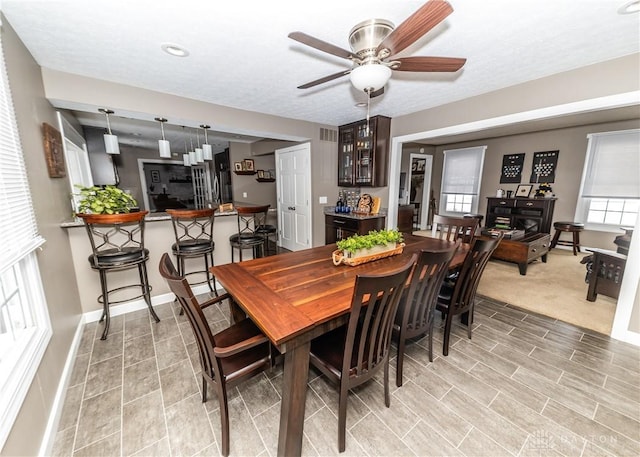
x=297, y=296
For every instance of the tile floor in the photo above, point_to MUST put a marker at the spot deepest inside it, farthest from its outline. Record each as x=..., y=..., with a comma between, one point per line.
x=525, y=385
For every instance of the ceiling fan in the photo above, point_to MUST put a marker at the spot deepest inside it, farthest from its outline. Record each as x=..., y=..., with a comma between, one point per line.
x=375, y=42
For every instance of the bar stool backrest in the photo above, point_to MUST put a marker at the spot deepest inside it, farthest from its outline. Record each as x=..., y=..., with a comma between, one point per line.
x=113, y=235
x=192, y=227
x=249, y=218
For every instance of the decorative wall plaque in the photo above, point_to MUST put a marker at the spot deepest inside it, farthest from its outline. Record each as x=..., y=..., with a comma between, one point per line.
x=53, y=151
x=512, y=168
x=543, y=168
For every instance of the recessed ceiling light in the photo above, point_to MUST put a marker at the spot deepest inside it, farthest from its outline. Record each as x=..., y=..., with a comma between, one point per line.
x=174, y=50
x=630, y=7
x=361, y=105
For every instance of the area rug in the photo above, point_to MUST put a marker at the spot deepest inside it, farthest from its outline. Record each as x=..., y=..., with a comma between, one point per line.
x=556, y=289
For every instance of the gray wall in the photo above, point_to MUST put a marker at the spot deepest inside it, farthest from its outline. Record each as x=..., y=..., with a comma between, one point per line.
x=51, y=201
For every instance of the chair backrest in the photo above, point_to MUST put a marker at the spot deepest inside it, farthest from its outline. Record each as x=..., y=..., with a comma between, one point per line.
x=464, y=291
x=426, y=280
x=192, y=227
x=204, y=338
x=453, y=228
x=251, y=217
x=115, y=234
x=373, y=307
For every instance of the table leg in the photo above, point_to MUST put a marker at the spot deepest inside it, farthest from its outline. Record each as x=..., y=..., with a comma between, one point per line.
x=294, y=393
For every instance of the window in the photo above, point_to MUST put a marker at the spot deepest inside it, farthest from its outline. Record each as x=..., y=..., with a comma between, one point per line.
x=610, y=190
x=25, y=328
x=461, y=176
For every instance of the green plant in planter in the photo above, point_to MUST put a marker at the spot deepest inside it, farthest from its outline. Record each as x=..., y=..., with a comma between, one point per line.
x=373, y=238
x=107, y=200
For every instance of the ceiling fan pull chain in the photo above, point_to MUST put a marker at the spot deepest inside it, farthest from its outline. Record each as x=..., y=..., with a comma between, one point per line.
x=368, y=92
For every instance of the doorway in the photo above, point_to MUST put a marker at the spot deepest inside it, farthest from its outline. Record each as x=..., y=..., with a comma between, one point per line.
x=420, y=189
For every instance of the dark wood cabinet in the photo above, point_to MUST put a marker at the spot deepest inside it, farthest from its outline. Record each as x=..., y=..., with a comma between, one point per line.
x=341, y=227
x=533, y=215
x=363, y=148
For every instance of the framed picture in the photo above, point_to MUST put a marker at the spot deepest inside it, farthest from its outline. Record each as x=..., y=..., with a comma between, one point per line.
x=248, y=164
x=261, y=174
x=237, y=166
x=523, y=190
x=155, y=176
x=53, y=151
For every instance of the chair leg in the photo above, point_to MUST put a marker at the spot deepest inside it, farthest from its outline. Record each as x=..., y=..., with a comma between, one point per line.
x=576, y=243
x=142, y=269
x=342, y=417
x=105, y=304
x=224, y=419
x=400, y=361
x=387, y=398
x=447, y=333
x=554, y=241
x=204, y=389
x=431, y=341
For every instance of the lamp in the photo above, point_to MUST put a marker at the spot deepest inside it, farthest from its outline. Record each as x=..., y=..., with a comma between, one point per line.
x=370, y=77
x=163, y=145
x=186, y=160
x=207, y=151
x=110, y=140
x=199, y=153
x=193, y=159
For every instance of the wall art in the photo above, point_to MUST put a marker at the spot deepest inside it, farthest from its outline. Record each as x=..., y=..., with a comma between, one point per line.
x=543, y=167
x=512, y=168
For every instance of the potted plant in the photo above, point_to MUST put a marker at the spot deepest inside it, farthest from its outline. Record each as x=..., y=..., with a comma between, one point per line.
x=105, y=200
x=375, y=243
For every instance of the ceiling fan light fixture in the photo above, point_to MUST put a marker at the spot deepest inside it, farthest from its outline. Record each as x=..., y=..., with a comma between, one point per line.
x=370, y=77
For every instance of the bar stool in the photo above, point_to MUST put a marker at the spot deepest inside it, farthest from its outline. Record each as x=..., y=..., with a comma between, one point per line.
x=572, y=227
x=267, y=231
x=249, y=217
x=193, y=230
x=117, y=243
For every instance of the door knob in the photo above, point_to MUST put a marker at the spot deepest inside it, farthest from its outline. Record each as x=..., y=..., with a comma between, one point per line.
x=291, y=208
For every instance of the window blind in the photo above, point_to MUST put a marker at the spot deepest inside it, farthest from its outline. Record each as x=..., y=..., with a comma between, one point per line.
x=18, y=229
x=613, y=165
x=462, y=170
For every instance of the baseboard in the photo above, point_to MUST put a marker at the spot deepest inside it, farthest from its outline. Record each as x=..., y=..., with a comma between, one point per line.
x=49, y=437
x=135, y=305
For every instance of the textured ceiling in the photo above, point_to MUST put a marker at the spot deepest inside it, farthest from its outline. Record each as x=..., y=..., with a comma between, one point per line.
x=240, y=55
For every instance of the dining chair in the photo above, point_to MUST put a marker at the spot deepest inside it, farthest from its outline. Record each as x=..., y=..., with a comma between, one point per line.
x=249, y=219
x=117, y=244
x=227, y=358
x=459, y=298
x=193, y=231
x=452, y=228
x=415, y=311
x=354, y=353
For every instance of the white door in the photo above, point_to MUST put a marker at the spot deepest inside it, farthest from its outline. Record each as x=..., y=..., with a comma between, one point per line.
x=293, y=175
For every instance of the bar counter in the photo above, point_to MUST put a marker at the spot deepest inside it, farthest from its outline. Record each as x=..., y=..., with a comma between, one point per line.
x=158, y=239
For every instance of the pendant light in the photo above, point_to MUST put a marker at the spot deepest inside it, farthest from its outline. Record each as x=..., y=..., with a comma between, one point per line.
x=206, y=148
x=199, y=153
x=110, y=140
x=193, y=160
x=164, y=147
x=185, y=157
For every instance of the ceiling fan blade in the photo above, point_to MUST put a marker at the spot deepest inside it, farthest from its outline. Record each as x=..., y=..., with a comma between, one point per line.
x=432, y=64
x=424, y=19
x=325, y=79
x=321, y=45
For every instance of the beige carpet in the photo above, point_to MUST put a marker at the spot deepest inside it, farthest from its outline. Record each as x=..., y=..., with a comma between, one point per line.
x=556, y=289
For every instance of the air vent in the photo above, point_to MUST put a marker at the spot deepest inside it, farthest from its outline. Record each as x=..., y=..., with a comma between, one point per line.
x=328, y=135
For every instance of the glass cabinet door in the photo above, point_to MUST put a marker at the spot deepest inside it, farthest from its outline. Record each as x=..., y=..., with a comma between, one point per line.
x=346, y=158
